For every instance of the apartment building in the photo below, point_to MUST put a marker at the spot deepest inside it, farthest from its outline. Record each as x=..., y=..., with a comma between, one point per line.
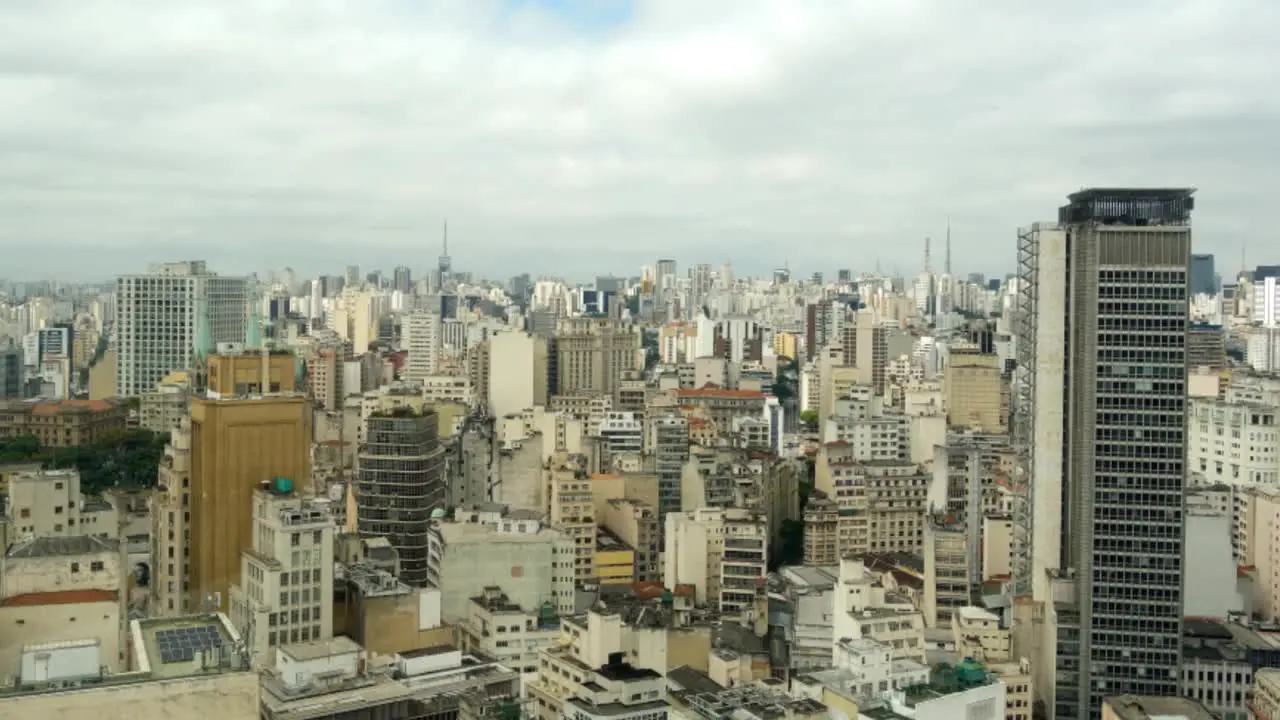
x=975, y=391
x=163, y=407
x=491, y=545
x=722, y=552
x=285, y=593
x=1233, y=442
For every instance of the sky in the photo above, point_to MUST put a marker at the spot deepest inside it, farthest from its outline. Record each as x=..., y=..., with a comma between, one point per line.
x=574, y=137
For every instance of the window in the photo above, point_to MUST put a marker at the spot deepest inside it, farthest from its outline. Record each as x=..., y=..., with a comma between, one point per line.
x=75, y=567
x=296, y=539
x=26, y=513
x=96, y=566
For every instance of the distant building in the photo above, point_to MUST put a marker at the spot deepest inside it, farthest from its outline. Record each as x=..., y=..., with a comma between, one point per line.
x=161, y=314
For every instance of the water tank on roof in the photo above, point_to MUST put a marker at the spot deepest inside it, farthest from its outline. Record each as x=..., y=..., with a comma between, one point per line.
x=282, y=485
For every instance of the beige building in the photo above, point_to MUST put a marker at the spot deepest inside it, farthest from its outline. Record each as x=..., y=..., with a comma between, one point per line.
x=512, y=634
x=947, y=577
x=821, y=520
x=975, y=392
x=170, y=534
x=154, y=684
x=722, y=552
x=62, y=423
x=44, y=503
x=164, y=407
x=881, y=503
x=61, y=589
x=285, y=594
x=593, y=353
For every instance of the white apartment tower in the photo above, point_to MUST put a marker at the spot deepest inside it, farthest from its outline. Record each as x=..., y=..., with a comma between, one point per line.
x=286, y=595
x=159, y=315
x=422, y=340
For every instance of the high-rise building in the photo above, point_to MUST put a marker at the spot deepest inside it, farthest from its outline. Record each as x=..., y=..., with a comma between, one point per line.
x=669, y=443
x=160, y=314
x=592, y=354
x=353, y=276
x=401, y=481
x=246, y=429
x=1101, y=426
x=1203, y=278
x=422, y=340
x=285, y=594
x=10, y=372
x=402, y=280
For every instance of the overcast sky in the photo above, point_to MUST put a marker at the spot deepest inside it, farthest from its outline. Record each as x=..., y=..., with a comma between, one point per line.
x=583, y=136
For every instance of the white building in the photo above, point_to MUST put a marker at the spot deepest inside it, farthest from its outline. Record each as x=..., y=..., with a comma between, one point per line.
x=159, y=316
x=1233, y=443
x=286, y=590
x=722, y=552
x=422, y=340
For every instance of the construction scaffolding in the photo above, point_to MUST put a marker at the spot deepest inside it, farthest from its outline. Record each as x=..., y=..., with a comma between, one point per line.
x=1023, y=430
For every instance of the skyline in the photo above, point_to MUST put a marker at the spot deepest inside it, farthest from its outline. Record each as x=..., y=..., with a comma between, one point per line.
x=576, y=138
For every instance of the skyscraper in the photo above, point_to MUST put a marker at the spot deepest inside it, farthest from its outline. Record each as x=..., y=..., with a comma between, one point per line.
x=402, y=280
x=1203, y=277
x=1101, y=425
x=158, y=318
x=401, y=481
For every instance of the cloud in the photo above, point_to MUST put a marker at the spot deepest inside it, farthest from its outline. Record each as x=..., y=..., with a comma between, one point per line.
x=828, y=133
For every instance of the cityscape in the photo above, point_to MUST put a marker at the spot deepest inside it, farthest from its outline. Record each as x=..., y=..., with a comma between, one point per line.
x=639, y=360
x=681, y=493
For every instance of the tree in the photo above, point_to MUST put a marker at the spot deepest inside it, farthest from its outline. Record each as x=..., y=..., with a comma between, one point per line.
x=810, y=419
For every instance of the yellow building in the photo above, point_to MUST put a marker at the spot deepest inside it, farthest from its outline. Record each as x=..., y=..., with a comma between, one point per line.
x=239, y=439
x=615, y=561
x=786, y=344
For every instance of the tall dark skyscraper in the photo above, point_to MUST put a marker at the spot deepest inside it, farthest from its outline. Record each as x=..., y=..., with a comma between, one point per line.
x=401, y=481
x=1101, y=425
x=1203, y=278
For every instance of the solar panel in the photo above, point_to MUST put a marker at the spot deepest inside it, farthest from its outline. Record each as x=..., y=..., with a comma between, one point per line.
x=182, y=644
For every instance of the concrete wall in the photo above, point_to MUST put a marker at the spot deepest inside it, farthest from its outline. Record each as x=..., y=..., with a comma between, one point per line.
x=32, y=624
x=232, y=696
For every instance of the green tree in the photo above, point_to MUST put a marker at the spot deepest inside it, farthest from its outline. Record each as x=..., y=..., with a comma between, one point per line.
x=810, y=419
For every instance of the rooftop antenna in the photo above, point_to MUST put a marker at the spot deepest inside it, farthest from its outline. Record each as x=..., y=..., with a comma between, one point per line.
x=946, y=268
x=446, y=238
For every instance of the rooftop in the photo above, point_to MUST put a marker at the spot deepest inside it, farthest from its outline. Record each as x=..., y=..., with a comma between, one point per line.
x=320, y=649
x=186, y=646
x=59, y=407
x=1143, y=707
x=61, y=597
x=62, y=547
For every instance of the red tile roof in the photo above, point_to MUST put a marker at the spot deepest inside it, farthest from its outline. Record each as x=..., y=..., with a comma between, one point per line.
x=62, y=597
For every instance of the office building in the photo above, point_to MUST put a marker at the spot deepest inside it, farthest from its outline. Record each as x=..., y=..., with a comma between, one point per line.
x=592, y=353
x=285, y=595
x=401, y=481
x=402, y=280
x=1203, y=280
x=10, y=372
x=161, y=313
x=239, y=437
x=1102, y=431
